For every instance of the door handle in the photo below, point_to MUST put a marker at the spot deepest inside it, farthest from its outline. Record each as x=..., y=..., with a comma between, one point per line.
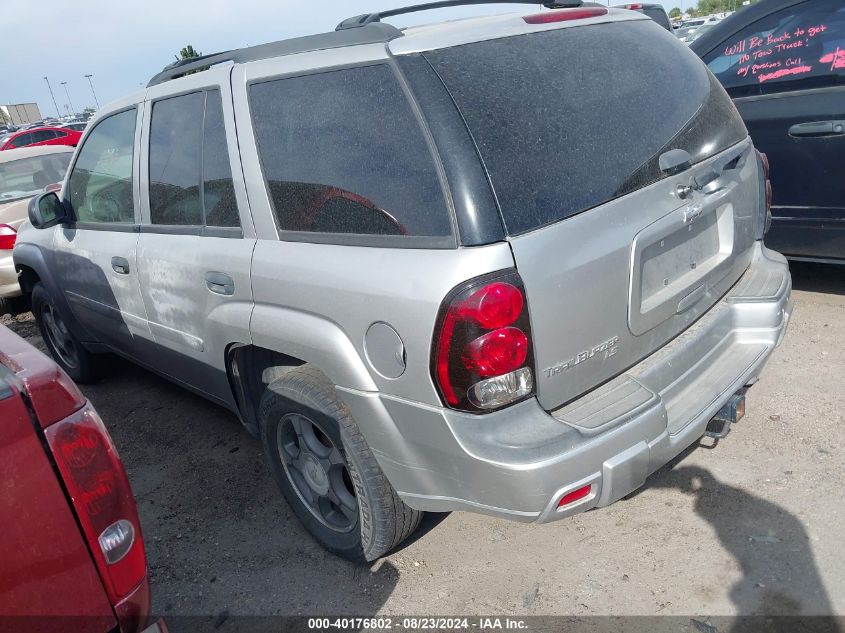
x=220, y=283
x=818, y=129
x=120, y=265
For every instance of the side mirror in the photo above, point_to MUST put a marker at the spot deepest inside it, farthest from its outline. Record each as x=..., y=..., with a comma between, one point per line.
x=46, y=210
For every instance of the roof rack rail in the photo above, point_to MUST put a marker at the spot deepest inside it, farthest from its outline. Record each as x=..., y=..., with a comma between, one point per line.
x=370, y=18
x=373, y=34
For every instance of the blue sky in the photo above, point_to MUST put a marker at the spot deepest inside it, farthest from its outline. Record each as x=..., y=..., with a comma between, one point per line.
x=123, y=44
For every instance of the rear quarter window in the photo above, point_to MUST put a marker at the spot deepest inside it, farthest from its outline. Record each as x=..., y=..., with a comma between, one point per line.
x=343, y=153
x=568, y=119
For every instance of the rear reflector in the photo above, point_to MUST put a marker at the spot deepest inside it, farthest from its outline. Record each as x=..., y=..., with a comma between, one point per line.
x=575, y=495
x=562, y=15
x=8, y=235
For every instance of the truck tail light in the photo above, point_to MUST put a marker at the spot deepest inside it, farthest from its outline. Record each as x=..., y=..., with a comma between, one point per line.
x=482, y=357
x=100, y=493
x=765, y=221
x=8, y=235
x=767, y=175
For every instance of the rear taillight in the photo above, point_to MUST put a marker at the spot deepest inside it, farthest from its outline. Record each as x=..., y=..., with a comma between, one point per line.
x=765, y=217
x=8, y=235
x=482, y=356
x=100, y=492
x=563, y=15
x=767, y=175
x=633, y=6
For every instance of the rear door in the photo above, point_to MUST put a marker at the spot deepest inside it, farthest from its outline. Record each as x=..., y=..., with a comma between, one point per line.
x=786, y=73
x=615, y=263
x=197, y=238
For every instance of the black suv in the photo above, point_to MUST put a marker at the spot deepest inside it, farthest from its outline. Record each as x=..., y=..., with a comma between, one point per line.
x=783, y=63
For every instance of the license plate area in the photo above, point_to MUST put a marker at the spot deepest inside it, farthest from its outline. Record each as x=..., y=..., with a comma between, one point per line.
x=676, y=259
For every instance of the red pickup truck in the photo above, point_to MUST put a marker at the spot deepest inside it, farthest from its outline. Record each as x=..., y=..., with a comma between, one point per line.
x=71, y=552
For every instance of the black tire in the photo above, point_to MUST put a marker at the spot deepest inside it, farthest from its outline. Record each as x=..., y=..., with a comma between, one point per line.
x=381, y=519
x=78, y=363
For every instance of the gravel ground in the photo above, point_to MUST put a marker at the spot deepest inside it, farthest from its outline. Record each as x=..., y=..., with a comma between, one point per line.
x=752, y=527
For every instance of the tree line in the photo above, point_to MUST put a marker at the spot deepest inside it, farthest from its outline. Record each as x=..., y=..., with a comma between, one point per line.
x=707, y=7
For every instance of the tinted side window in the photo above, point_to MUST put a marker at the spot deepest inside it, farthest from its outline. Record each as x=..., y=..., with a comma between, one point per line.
x=221, y=209
x=342, y=152
x=43, y=135
x=22, y=141
x=175, y=149
x=100, y=184
x=796, y=48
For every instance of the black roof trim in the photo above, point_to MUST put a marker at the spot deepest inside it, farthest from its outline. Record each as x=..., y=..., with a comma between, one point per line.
x=361, y=21
x=372, y=34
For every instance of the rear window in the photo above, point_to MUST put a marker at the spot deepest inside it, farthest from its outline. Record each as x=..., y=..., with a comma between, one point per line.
x=569, y=119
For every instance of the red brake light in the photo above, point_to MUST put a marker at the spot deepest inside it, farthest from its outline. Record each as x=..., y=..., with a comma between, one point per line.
x=8, y=235
x=496, y=305
x=497, y=352
x=482, y=352
x=100, y=492
x=634, y=6
x=562, y=15
x=766, y=168
x=764, y=160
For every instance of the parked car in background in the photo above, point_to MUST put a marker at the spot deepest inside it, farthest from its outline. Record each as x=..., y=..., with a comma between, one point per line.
x=656, y=12
x=698, y=32
x=40, y=136
x=783, y=63
x=72, y=552
x=686, y=33
x=350, y=240
x=24, y=173
x=79, y=126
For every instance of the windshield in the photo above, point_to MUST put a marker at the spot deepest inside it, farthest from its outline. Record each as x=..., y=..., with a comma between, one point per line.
x=28, y=176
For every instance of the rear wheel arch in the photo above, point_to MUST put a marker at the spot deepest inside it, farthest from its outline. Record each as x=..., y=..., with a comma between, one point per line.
x=250, y=369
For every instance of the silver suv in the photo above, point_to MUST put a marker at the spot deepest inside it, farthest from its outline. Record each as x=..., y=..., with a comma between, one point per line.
x=509, y=265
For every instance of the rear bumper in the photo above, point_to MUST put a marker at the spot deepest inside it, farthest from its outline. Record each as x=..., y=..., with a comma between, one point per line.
x=518, y=463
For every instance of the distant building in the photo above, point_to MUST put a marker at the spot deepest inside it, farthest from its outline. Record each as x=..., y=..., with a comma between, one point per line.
x=20, y=113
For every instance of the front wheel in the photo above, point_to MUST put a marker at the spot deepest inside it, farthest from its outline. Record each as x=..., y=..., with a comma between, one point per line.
x=67, y=351
x=326, y=470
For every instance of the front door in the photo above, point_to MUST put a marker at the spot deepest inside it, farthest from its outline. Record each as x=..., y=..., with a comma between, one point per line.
x=194, y=251
x=95, y=255
x=786, y=73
